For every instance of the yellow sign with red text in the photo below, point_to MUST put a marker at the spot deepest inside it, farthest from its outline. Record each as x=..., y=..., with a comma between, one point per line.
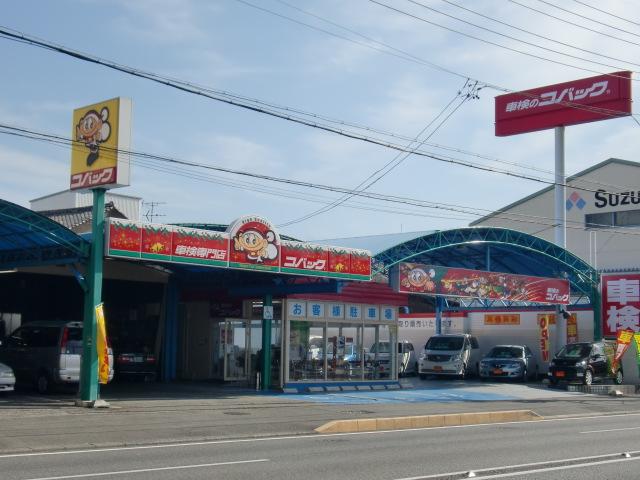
x=512, y=319
x=102, y=138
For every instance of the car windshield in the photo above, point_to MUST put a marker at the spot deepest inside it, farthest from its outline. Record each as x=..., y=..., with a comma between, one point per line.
x=444, y=343
x=381, y=347
x=505, y=352
x=574, y=350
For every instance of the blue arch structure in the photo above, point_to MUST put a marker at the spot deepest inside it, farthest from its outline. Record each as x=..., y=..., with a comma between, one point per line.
x=29, y=239
x=496, y=249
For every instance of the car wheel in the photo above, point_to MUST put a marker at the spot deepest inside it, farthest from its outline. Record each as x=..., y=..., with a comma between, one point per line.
x=422, y=376
x=415, y=369
x=553, y=382
x=588, y=377
x=524, y=376
x=43, y=384
x=619, y=378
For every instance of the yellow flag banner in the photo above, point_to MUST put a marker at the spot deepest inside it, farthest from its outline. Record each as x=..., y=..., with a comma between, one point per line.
x=636, y=337
x=101, y=346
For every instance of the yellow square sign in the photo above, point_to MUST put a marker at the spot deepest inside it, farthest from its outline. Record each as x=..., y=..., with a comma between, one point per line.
x=102, y=139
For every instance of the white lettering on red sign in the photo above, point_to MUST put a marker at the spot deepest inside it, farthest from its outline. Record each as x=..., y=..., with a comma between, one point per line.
x=554, y=295
x=556, y=96
x=304, y=263
x=201, y=252
x=91, y=179
x=622, y=302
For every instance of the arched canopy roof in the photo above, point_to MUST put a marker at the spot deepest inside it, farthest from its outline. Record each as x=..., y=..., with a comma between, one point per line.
x=30, y=239
x=488, y=248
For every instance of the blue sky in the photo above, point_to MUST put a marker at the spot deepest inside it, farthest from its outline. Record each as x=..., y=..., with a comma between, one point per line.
x=228, y=45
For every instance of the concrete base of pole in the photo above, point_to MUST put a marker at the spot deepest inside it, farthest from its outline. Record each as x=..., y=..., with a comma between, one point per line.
x=92, y=404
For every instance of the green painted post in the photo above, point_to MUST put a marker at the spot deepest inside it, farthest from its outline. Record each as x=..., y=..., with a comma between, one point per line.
x=596, y=302
x=267, y=317
x=89, y=387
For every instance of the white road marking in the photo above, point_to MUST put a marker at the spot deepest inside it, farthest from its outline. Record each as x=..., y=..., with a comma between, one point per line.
x=529, y=471
x=300, y=437
x=144, y=470
x=612, y=430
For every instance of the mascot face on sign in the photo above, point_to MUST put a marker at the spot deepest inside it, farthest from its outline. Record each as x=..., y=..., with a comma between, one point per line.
x=257, y=246
x=92, y=130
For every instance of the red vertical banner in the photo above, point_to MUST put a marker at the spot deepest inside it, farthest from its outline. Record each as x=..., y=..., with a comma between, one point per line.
x=623, y=340
x=544, y=320
x=620, y=303
x=572, y=328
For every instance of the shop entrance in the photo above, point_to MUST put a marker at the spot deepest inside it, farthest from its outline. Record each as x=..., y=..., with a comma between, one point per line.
x=240, y=342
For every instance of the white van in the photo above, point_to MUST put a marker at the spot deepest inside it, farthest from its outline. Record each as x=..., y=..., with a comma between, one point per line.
x=450, y=354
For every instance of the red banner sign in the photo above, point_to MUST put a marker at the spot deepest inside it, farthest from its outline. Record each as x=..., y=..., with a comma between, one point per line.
x=249, y=243
x=570, y=103
x=461, y=282
x=620, y=303
x=544, y=320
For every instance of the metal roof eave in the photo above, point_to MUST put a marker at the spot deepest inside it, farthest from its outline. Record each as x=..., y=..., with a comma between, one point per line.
x=28, y=238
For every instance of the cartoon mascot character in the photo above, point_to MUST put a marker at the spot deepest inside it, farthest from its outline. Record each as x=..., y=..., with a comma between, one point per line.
x=92, y=130
x=257, y=246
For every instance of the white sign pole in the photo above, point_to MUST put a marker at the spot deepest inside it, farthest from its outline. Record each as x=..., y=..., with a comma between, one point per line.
x=560, y=223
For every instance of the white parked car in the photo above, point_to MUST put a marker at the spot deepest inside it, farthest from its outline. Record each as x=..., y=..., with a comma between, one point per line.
x=450, y=354
x=7, y=378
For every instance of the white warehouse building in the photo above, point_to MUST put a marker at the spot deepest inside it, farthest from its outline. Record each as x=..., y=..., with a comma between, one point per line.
x=603, y=215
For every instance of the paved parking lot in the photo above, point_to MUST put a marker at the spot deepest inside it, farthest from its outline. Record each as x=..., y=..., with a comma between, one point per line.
x=441, y=391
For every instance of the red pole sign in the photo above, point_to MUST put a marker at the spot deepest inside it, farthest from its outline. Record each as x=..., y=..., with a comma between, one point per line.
x=570, y=103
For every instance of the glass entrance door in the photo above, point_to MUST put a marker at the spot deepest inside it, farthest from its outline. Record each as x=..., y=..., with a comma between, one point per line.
x=235, y=350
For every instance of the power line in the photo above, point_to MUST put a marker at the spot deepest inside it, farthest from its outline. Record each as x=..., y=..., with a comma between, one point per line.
x=516, y=217
x=607, y=13
x=568, y=104
x=392, y=164
x=510, y=37
x=24, y=131
x=589, y=18
x=483, y=40
x=515, y=2
x=529, y=32
x=237, y=100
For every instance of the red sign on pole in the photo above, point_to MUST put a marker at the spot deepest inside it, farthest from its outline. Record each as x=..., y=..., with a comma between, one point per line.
x=570, y=103
x=620, y=303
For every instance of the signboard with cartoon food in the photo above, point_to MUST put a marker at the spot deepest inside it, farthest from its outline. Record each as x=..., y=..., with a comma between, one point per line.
x=102, y=139
x=254, y=244
x=461, y=282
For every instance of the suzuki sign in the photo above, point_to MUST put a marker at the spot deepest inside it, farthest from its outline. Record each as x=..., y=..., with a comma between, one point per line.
x=579, y=101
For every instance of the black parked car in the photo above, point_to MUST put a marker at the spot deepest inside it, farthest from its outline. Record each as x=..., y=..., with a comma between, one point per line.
x=134, y=360
x=585, y=362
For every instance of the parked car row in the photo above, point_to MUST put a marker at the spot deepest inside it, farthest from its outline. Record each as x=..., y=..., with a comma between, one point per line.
x=459, y=355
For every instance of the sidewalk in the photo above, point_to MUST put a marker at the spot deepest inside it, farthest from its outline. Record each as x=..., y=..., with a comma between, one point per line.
x=157, y=413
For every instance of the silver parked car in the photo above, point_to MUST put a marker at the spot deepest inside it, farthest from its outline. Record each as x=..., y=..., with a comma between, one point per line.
x=46, y=354
x=7, y=379
x=509, y=361
x=380, y=353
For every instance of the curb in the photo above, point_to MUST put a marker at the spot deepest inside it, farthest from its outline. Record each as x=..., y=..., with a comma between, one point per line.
x=426, y=421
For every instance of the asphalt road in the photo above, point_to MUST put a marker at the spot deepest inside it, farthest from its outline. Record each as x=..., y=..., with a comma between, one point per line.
x=565, y=448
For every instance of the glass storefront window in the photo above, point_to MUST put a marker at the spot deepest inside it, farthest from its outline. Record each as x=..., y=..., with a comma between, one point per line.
x=307, y=344
x=344, y=351
x=341, y=351
x=379, y=361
